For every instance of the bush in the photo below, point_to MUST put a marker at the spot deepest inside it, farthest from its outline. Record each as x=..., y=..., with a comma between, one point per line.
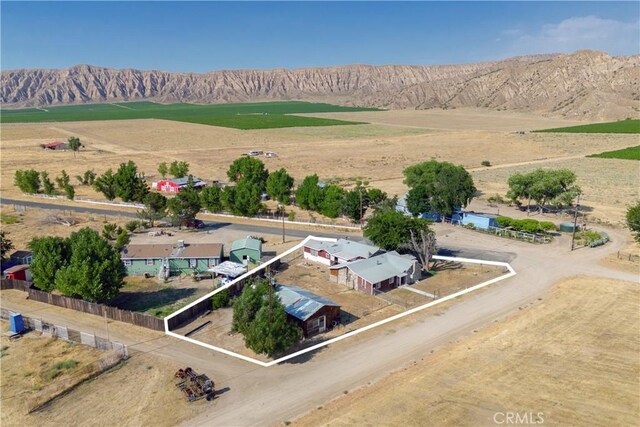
x=496, y=198
x=221, y=299
x=504, y=221
x=486, y=163
x=548, y=226
x=292, y=216
x=132, y=226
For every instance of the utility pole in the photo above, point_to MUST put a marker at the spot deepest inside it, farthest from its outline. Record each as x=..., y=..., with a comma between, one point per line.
x=575, y=222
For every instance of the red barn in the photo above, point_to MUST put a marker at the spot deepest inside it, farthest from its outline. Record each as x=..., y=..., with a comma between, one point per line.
x=55, y=145
x=176, y=185
x=18, y=272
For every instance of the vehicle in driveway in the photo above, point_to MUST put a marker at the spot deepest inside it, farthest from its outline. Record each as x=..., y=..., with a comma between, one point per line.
x=194, y=223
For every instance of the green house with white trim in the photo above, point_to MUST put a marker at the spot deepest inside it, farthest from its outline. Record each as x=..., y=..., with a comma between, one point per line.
x=245, y=251
x=170, y=259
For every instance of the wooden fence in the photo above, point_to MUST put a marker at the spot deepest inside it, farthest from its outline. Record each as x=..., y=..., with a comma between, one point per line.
x=113, y=313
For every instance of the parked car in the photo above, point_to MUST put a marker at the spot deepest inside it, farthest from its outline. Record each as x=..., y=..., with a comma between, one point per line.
x=195, y=223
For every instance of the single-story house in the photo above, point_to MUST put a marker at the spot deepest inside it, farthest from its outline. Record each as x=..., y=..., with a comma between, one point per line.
x=18, y=272
x=340, y=251
x=176, y=185
x=378, y=273
x=56, y=145
x=170, y=259
x=21, y=257
x=246, y=250
x=482, y=221
x=313, y=313
x=401, y=206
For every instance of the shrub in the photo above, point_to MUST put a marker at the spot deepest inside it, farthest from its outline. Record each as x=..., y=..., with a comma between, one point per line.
x=504, y=221
x=496, y=198
x=132, y=226
x=292, y=216
x=486, y=163
x=548, y=226
x=221, y=299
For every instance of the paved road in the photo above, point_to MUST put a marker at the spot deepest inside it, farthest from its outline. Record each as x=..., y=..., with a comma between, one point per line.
x=269, y=396
x=210, y=225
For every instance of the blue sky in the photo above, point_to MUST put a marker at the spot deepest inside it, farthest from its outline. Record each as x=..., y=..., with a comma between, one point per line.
x=204, y=36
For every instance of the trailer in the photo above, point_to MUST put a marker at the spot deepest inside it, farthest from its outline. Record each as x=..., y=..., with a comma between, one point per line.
x=194, y=386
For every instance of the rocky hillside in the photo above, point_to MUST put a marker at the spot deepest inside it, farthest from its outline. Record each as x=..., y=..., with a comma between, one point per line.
x=584, y=84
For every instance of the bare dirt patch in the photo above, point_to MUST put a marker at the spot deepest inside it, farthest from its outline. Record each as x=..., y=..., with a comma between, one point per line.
x=577, y=350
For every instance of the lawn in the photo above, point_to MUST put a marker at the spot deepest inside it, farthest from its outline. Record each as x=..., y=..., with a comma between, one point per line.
x=621, y=126
x=629, y=153
x=264, y=115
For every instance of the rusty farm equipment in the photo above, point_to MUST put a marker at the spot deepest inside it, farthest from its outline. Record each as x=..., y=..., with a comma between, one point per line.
x=194, y=386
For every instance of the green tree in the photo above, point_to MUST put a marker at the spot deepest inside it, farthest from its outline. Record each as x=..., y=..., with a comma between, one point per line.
x=309, y=195
x=247, y=199
x=74, y=144
x=553, y=186
x=445, y=186
x=63, y=180
x=351, y=204
x=221, y=299
x=28, y=181
x=131, y=186
x=69, y=191
x=110, y=231
x=251, y=170
x=122, y=239
x=5, y=246
x=228, y=198
x=50, y=254
x=633, y=220
x=271, y=332
x=178, y=169
x=94, y=272
x=155, y=208
x=279, y=185
x=211, y=198
x=376, y=196
x=246, y=306
x=87, y=177
x=392, y=230
x=185, y=206
x=332, y=202
x=47, y=185
x=106, y=184
x=163, y=169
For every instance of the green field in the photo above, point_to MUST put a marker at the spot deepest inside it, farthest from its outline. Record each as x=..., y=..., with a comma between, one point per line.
x=622, y=126
x=629, y=153
x=264, y=115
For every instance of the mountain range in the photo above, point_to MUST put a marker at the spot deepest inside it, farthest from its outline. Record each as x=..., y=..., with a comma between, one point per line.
x=584, y=84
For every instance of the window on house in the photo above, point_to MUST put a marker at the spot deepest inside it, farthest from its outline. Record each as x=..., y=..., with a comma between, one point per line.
x=212, y=262
x=193, y=263
x=149, y=262
x=314, y=252
x=127, y=262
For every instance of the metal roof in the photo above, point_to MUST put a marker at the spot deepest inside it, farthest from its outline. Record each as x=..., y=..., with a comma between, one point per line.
x=247, y=243
x=301, y=303
x=343, y=248
x=380, y=267
x=172, y=250
x=17, y=268
x=185, y=180
x=229, y=269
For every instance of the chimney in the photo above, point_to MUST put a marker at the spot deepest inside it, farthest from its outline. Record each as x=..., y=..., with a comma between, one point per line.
x=181, y=243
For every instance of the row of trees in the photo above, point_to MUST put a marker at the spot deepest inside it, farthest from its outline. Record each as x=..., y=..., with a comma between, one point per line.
x=178, y=169
x=333, y=201
x=126, y=183
x=32, y=182
x=84, y=265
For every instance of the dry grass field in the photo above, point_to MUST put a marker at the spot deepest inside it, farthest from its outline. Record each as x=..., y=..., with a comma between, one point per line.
x=35, y=368
x=376, y=152
x=571, y=357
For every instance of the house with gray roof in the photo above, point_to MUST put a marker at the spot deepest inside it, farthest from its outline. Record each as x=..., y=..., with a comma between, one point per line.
x=340, y=251
x=378, y=273
x=313, y=313
x=170, y=259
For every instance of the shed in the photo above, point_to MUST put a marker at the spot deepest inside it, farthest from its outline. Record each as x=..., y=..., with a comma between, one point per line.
x=246, y=250
x=340, y=251
x=482, y=221
x=16, y=323
x=401, y=206
x=55, y=145
x=177, y=184
x=568, y=227
x=18, y=272
x=21, y=257
x=313, y=313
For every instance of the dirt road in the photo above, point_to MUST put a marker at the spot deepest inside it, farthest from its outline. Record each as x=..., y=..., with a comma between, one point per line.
x=259, y=396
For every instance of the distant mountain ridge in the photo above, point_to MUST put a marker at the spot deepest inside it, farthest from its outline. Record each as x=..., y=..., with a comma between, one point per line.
x=585, y=84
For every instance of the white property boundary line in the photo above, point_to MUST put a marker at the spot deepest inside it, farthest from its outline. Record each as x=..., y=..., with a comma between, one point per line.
x=511, y=273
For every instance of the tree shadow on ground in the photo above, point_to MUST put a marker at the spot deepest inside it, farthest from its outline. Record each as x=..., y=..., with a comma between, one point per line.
x=440, y=265
x=143, y=301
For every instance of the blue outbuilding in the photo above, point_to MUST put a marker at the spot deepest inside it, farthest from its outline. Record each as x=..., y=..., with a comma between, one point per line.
x=401, y=206
x=16, y=323
x=482, y=221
